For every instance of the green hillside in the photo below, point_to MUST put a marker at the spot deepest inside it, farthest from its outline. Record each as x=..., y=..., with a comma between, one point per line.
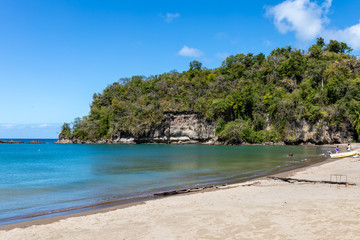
x=250, y=97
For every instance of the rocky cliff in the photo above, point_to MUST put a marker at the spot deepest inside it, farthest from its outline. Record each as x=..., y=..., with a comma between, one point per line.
x=320, y=132
x=176, y=127
x=190, y=128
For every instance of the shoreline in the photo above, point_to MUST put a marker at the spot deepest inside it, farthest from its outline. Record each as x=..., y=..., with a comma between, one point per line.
x=214, y=142
x=258, y=209
x=261, y=208
x=125, y=203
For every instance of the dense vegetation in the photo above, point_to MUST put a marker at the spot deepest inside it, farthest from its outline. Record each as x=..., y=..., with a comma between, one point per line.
x=251, y=97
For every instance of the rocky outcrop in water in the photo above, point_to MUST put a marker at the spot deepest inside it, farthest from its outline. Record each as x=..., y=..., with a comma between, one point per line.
x=36, y=142
x=11, y=141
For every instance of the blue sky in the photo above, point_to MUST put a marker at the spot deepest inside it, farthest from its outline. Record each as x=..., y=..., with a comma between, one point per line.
x=54, y=55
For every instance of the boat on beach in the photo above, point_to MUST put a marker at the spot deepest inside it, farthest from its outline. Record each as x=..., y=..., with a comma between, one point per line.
x=343, y=154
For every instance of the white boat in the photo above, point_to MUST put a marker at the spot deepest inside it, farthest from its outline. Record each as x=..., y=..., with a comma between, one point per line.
x=343, y=154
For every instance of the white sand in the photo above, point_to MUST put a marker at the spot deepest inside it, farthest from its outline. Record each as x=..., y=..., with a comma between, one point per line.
x=266, y=210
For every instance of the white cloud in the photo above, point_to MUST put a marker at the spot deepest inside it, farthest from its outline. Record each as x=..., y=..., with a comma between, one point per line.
x=350, y=35
x=190, y=52
x=169, y=17
x=326, y=5
x=7, y=126
x=44, y=125
x=304, y=17
x=309, y=20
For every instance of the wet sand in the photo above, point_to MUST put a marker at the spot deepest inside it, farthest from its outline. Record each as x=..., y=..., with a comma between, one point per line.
x=258, y=209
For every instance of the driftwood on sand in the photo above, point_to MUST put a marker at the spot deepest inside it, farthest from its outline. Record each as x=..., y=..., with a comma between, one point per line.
x=292, y=180
x=196, y=189
x=169, y=193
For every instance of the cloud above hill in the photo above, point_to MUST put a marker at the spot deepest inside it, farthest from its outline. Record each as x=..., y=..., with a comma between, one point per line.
x=190, y=52
x=309, y=20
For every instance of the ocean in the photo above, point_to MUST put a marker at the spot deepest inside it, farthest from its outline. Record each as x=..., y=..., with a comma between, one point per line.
x=43, y=180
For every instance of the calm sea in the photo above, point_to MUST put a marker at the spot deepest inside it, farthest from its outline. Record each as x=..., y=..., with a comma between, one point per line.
x=40, y=180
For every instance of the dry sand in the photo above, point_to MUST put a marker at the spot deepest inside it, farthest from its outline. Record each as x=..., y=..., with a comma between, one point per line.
x=260, y=209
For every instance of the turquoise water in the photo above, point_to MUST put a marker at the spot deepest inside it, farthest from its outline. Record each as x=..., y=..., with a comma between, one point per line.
x=45, y=178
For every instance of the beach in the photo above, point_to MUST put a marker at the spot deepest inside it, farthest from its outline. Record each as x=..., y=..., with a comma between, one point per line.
x=258, y=209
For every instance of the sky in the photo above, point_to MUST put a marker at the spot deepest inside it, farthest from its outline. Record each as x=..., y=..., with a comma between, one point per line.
x=54, y=55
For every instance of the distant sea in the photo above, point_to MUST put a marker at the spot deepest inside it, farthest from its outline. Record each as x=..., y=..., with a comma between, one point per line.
x=42, y=180
x=28, y=140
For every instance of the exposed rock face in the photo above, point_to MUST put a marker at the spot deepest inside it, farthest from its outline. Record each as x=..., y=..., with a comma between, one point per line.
x=318, y=133
x=190, y=128
x=64, y=140
x=181, y=127
x=176, y=128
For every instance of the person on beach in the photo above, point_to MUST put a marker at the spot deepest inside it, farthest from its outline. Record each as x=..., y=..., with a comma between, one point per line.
x=329, y=153
x=337, y=149
x=348, y=148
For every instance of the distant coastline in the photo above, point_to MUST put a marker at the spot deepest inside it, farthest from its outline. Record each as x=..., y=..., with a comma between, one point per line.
x=11, y=141
x=27, y=141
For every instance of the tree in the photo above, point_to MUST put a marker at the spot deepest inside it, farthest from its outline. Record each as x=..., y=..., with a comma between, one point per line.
x=315, y=51
x=338, y=47
x=66, y=130
x=260, y=58
x=345, y=48
x=285, y=52
x=334, y=46
x=195, y=68
x=320, y=42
